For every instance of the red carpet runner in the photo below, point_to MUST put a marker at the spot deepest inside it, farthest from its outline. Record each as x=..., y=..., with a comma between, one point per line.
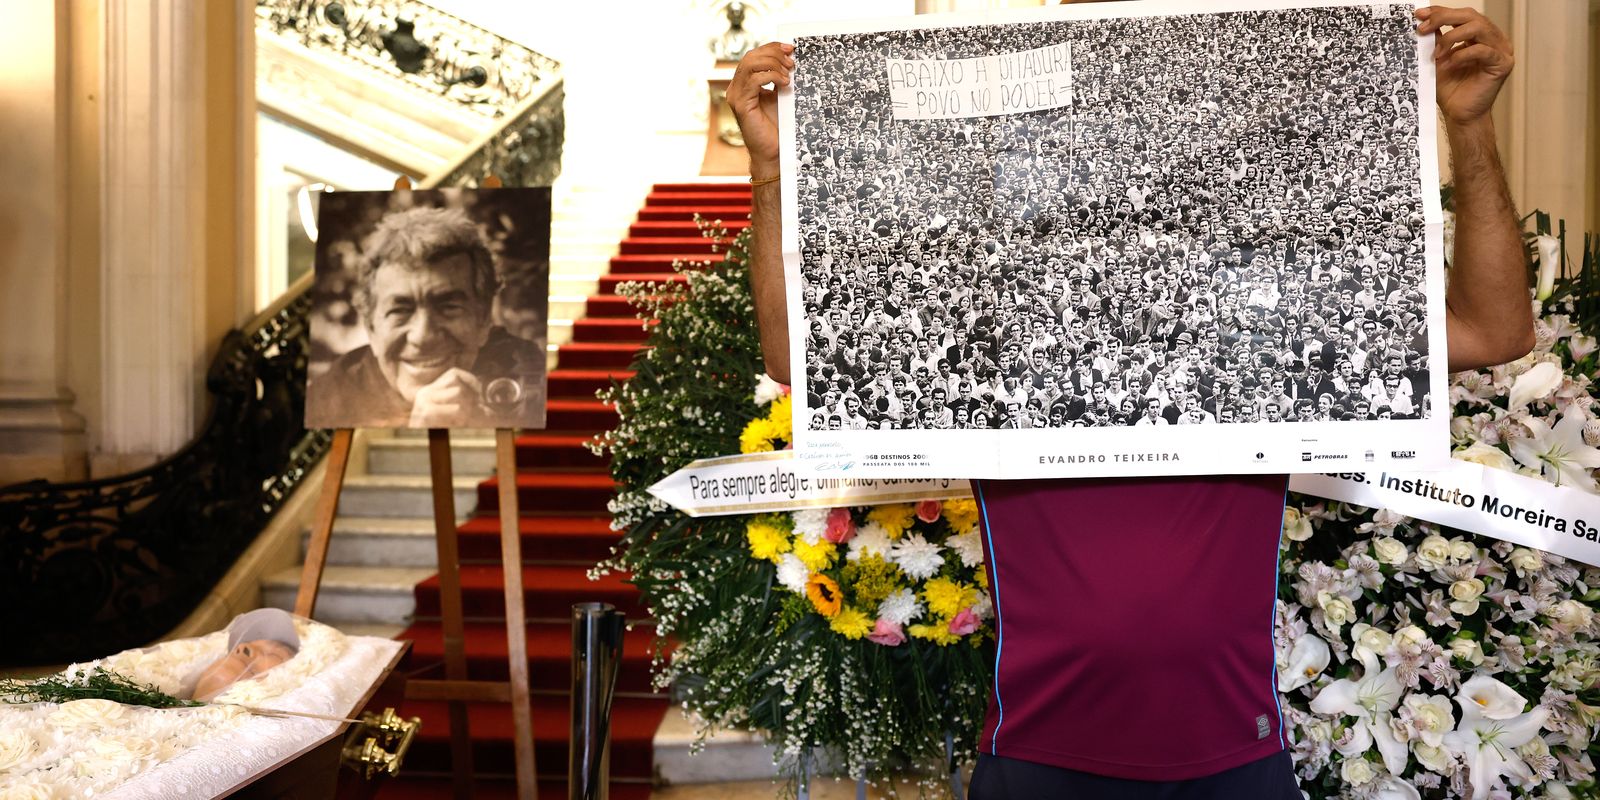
x=563, y=490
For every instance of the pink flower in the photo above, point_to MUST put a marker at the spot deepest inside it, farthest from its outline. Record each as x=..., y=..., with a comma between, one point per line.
x=928, y=510
x=964, y=622
x=841, y=528
x=887, y=633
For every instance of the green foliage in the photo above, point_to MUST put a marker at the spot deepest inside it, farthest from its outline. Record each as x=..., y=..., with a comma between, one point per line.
x=98, y=684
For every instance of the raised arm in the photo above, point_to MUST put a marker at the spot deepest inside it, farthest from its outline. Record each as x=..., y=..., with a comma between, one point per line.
x=757, y=111
x=1490, y=320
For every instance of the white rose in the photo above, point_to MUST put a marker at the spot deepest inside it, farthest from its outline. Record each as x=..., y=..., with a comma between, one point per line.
x=1375, y=639
x=1526, y=561
x=1431, y=717
x=1461, y=429
x=1572, y=614
x=1467, y=650
x=1462, y=550
x=1317, y=730
x=1335, y=609
x=1464, y=595
x=16, y=746
x=1356, y=771
x=1487, y=455
x=1296, y=526
x=1410, y=636
x=1434, y=758
x=1388, y=550
x=1433, y=552
x=86, y=714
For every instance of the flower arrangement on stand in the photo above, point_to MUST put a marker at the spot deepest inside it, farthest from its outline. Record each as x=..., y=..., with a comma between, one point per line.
x=855, y=639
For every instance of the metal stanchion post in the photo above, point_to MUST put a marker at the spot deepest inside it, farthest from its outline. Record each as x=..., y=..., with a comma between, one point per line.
x=596, y=655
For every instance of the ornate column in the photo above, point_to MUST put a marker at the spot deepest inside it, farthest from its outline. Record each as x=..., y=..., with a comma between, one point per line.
x=154, y=154
x=41, y=436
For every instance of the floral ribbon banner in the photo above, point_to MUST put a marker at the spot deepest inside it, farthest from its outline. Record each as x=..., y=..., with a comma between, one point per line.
x=758, y=483
x=1477, y=498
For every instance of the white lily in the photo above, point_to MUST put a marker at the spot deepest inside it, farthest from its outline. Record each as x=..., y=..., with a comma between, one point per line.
x=1371, y=701
x=1535, y=384
x=1558, y=453
x=1549, y=248
x=1392, y=788
x=1489, y=746
x=1308, y=657
x=1489, y=698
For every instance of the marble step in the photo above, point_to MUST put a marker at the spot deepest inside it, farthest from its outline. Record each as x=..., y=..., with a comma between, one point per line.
x=568, y=306
x=574, y=285
x=402, y=496
x=352, y=594
x=726, y=756
x=379, y=542
x=469, y=455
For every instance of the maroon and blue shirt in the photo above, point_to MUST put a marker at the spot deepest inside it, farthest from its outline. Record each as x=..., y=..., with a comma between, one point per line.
x=1134, y=621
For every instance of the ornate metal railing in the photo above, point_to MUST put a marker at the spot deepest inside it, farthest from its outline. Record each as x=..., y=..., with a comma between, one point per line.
x=92, y=567
x=422, y=46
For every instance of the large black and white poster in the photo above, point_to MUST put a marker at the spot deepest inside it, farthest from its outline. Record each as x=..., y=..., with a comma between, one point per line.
x=1115, y=239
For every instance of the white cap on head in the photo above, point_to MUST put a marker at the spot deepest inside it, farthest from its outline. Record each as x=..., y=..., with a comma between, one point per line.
x=264, y=623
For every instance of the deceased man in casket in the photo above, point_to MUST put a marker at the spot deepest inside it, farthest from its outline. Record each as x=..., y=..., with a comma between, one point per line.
x=266, y=661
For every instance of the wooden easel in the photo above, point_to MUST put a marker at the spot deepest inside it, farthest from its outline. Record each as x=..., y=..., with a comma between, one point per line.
x=456, y=688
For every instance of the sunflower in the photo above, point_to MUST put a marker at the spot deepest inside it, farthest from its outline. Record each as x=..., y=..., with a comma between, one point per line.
x=824, y=594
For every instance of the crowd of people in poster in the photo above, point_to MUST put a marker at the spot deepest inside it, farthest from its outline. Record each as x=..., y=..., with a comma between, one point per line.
x=1226, y=226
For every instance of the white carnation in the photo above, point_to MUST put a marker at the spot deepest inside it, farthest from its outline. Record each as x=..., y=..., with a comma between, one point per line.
x=767, y=389
x=870, y=539
x=793, y=573
x=917, y=557
x=969, y=546
x=900, y=608
x=811, y=523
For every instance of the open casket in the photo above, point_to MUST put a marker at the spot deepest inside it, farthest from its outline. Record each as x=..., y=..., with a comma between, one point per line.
x=105, y=749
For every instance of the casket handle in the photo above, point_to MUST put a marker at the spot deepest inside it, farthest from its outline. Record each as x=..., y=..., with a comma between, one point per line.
x=379, y=744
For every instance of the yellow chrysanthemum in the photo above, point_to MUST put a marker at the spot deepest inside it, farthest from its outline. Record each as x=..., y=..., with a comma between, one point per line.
x=945, y=597
x=767, y=541
x=823, y=592
x=894, y=517
x=781, y=415
x=816, y=557
x=961, y=513
x=982, y=577
x=757, y=436
x=938, y=633
x=851, y=623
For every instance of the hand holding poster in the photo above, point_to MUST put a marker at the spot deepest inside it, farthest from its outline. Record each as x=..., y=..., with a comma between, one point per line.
x=1052, y=243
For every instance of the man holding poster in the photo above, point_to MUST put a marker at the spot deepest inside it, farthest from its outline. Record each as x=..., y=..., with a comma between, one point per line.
x=1135, y=655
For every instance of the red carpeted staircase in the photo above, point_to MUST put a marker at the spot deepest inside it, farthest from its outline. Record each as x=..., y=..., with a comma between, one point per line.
x=563, y=490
